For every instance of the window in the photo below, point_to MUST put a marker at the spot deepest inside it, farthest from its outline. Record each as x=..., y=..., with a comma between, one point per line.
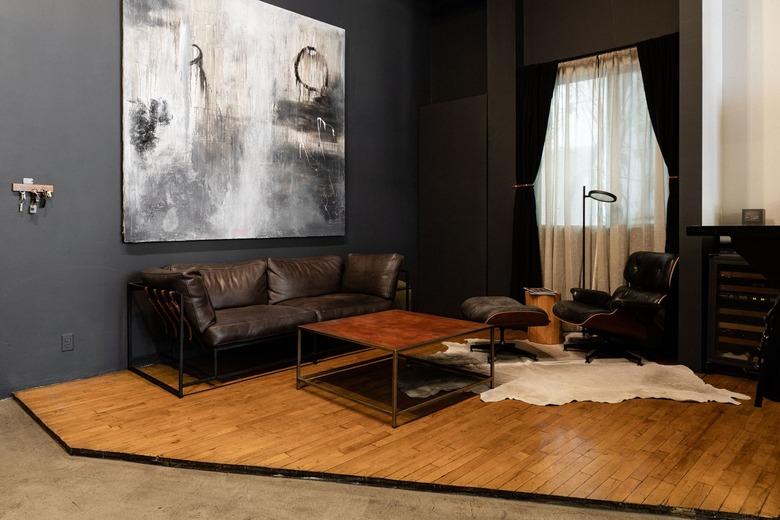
x=599, y=136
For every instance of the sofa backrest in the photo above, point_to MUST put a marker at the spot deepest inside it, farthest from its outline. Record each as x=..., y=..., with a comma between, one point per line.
x=650, y=271
x=234, y=284
x=290, y=278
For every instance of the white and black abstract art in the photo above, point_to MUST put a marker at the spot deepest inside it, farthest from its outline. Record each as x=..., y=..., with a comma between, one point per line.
x=233, y=122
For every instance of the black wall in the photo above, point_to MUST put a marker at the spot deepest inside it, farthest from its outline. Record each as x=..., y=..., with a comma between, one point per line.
x=502, y=142
x=458, y=50
x=692, y=249
x=561, y=29
x=64, y=269
x=452, y=184
x=453, y=210
x=473, y=55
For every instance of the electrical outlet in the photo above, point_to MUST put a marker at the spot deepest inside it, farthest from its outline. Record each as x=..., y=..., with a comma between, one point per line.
x=67, y=342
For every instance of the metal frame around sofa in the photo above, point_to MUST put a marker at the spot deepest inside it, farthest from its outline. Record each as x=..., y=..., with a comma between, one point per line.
x=169, y=309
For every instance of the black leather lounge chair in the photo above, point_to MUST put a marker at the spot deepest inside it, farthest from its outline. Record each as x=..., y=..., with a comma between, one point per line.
x=631, y=318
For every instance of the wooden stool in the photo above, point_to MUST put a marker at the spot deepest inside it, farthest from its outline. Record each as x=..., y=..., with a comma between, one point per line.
x=544, y=299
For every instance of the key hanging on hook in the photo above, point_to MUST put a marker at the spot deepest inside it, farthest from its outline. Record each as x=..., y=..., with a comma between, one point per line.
x=34, y=203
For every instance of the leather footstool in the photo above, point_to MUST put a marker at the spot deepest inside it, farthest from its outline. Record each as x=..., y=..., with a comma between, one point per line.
x=504, y=313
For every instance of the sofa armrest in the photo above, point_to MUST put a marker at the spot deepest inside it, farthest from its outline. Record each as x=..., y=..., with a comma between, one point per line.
x=372, y=274
x=591, y=297
x=197, y=305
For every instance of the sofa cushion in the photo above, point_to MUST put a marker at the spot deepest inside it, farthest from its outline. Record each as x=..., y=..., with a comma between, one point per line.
x=197, y=305
x=301, y=277
x=340, y=305
x=253, y=322
x=233, y=284
x=372, y=274
x=237, y=285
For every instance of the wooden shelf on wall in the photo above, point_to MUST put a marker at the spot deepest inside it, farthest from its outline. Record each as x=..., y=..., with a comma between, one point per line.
x=32, y=188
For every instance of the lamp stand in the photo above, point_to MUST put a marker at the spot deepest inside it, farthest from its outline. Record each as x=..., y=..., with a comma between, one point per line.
x=598, y=196
x=582, y=268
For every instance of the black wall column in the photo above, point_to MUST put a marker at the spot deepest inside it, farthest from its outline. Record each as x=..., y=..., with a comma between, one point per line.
x=501, y=141
x=452, y=215
x=691, y=271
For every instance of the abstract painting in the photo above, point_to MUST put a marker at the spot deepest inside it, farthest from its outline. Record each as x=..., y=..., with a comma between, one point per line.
x=233, y=122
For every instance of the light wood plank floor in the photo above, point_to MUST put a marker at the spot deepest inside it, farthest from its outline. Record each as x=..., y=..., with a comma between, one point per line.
x=712, y=457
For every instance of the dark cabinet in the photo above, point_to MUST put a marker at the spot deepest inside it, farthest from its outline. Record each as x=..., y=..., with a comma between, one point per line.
x=739, y=299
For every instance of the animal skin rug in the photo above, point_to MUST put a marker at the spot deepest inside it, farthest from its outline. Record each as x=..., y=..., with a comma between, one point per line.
x=561, y=377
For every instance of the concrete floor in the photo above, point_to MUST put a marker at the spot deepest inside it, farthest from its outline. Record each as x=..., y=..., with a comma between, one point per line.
x=39, y=480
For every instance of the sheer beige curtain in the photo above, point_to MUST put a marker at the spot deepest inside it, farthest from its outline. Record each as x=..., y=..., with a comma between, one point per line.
x=599, y=136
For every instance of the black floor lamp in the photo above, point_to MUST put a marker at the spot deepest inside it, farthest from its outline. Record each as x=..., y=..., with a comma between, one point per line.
x=598, y=196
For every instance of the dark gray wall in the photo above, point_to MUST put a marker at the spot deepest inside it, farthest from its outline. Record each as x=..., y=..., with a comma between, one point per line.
x=502, y=143
x=473, y=51
x=453, y=216
x=64, y=270
x=458, y=51
x=560, y=29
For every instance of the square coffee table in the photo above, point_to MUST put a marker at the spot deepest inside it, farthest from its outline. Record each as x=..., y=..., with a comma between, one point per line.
x=396, y=333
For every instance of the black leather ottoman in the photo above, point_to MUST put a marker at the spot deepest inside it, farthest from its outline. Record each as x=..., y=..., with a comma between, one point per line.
x=504, y=313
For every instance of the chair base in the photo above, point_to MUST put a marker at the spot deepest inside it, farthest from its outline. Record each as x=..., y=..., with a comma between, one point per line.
x=613, y=351
x=503, y=346
x=597, y=347
x=581, y=344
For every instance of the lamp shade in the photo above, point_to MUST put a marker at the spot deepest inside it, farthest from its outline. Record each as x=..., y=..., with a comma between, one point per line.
x=602, y=196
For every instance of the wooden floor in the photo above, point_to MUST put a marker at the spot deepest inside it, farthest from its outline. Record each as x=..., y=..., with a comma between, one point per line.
x=713, y=457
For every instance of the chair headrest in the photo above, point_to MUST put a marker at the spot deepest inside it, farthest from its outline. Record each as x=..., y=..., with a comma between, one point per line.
x=650, y=271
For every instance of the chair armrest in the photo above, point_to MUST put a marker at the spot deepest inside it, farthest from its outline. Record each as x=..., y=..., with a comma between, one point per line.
x=635, y=305
x=591, y=297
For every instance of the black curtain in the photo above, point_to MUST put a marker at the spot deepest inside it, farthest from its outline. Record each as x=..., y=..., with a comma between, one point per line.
x=535, y=86
x=659, y=59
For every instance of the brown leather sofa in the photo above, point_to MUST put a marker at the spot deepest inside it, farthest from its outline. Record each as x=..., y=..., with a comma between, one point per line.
x=232, y=303
x=220, y=307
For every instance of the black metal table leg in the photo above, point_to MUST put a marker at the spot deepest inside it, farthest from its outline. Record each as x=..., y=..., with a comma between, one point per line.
x=298, y=383
x=493, y=357
x=129, y=325
x=181, y=345
x=395, y=389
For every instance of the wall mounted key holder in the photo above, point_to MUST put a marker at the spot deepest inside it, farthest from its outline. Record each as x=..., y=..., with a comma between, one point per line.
x=36, y=193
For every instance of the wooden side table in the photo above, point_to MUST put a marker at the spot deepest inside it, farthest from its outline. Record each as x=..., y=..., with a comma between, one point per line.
x=551, y=334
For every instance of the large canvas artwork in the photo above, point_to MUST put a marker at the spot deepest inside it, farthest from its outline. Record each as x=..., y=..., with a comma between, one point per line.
x=233, y=122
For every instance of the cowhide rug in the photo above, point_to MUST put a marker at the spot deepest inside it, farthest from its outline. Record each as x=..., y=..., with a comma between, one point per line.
x=561, y=377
